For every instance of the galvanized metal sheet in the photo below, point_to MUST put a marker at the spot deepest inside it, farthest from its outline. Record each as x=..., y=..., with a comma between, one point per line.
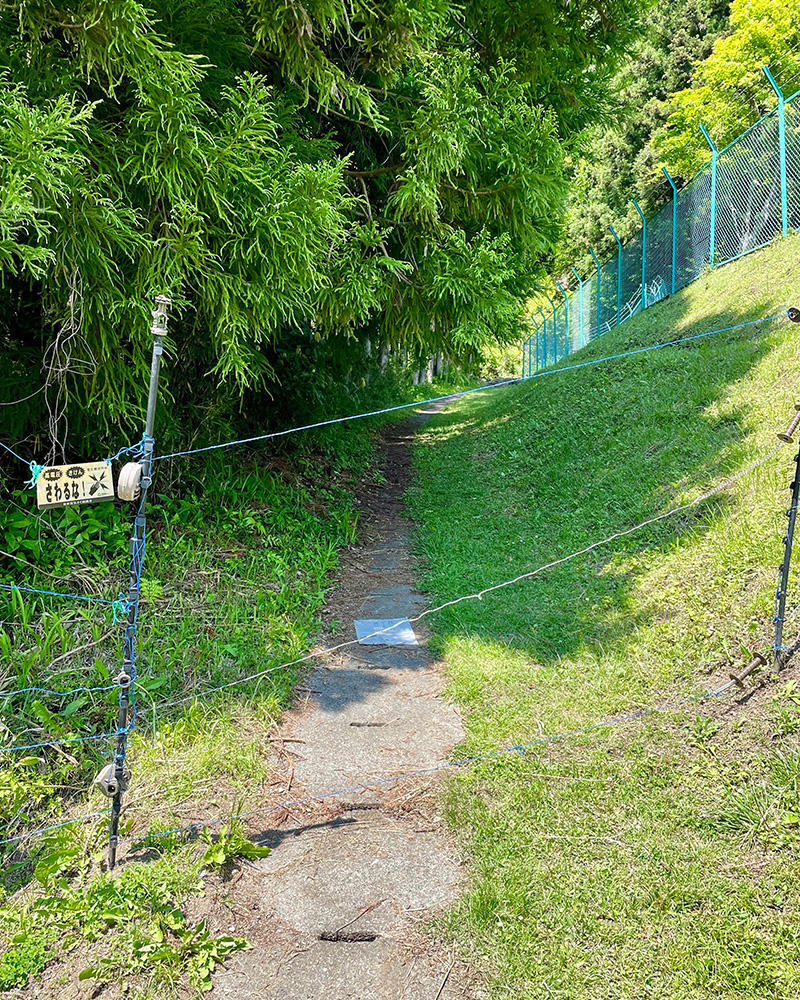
x=392, y=632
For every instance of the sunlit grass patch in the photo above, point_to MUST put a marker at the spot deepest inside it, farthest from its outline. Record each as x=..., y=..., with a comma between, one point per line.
x=655, y=858
x=204, y=743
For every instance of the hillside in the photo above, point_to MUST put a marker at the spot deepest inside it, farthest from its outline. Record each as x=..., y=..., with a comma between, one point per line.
x=658, y=857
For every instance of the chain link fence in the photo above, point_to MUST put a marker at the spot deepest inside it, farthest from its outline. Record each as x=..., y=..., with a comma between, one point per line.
x=746, y=197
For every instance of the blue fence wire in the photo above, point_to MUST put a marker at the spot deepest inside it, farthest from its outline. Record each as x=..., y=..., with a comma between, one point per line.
x=336, y=420
x=135, y=450
x=12, y=452
x=464, y=392
x=56, y=593
x=517, y=748
x=137, y=559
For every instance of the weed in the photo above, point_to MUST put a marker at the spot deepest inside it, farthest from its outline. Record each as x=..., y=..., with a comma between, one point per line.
x=230, y=843
x=705, y=728
x=26, y=957
x=135, y=919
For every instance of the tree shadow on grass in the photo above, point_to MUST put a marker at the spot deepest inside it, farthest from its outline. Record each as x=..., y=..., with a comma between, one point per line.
x=567, y=460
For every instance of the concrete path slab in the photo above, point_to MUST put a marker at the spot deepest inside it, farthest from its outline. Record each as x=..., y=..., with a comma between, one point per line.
x=349, y=884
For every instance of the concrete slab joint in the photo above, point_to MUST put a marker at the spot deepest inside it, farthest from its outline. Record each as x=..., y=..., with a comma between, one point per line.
x=350, y=883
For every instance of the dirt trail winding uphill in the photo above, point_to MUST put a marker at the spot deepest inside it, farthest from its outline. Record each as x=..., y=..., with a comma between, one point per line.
x=335, y=911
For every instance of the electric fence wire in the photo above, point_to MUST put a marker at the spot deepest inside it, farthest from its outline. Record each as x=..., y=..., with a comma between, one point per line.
x=476, y=596
x=59, y=659
x=464, y=392
x=479, y=595
x=59, y=742
x=420, y=403
x=12, y=452
x=56, y=694
x=55, y=593
x=518, y=748
x=416, y=618
x=15, y=402
x=42, y=830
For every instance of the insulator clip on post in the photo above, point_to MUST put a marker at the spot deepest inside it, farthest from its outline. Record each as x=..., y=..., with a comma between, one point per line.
x=788, y=434
x=757, y=661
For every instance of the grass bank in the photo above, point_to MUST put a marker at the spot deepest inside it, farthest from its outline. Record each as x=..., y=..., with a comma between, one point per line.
x=658, y=858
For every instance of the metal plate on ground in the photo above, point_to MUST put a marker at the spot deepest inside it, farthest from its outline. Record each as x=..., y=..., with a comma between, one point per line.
x=64, y=485
x=391, y=632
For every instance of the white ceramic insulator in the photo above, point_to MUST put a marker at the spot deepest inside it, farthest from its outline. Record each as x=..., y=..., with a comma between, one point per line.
x=129, y=479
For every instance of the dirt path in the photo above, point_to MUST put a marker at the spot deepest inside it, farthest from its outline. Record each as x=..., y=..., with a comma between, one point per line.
x=335, y=911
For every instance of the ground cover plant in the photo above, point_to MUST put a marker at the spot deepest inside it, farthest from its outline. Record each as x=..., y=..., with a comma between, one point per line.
x=130, y=930
x=659, y=858
x=241, y=547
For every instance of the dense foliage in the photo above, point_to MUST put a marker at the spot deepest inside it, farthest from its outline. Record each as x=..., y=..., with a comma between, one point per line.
x=331, y=172
x=729, y=89
x=618, y=163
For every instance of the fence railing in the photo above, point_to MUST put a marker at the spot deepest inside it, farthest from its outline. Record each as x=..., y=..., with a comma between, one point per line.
x=744, y=198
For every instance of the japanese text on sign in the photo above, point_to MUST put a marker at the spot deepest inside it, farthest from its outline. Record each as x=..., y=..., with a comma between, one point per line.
x=61, y=485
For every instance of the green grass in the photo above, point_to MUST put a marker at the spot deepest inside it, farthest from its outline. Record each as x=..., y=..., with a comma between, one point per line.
x=657, y=859
x=241, y=548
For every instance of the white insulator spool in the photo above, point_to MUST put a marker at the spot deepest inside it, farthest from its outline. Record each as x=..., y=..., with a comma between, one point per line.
x=130, y=477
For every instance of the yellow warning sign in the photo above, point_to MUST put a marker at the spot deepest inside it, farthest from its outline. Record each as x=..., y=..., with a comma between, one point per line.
x=62, y=485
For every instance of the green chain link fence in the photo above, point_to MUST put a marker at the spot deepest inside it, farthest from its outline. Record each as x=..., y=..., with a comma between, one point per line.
x=746, y=197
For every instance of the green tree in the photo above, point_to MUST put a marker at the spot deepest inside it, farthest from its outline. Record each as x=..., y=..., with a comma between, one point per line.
x=617, y=162
x=729, y=90
x=339, y=169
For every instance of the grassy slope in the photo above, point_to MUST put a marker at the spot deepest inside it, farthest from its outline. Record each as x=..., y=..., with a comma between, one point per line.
x=657, y=859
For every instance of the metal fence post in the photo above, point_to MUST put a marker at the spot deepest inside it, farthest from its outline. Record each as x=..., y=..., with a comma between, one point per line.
x=674, y=222
x=644, y=254
x=555, y=328
x=580, y=300
x=537, y=343
x=779, y=650
x=544, y=337
x=619, y=272
x=566, y=319
x=714, y=154
x=782, y=150
x=137, y=550
x=597, y=262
